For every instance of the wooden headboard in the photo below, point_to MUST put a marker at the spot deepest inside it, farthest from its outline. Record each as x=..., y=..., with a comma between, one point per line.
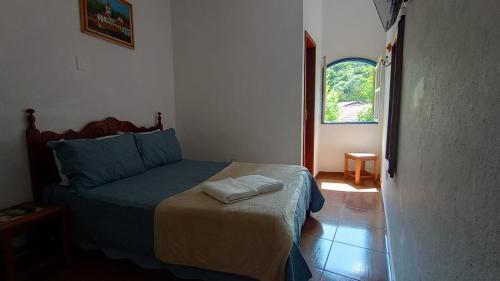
x=42, y=166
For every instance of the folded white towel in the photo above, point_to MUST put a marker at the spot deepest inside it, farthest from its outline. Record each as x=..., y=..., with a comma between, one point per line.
x=230, y=190
x=261, y=183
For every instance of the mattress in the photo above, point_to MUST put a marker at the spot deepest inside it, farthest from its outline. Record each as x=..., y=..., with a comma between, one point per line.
x=117, y=217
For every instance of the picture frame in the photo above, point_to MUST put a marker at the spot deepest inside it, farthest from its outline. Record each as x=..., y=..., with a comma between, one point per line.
x=111, y=20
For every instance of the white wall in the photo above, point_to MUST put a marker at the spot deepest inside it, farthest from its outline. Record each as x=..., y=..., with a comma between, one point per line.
x=39, y=42
x=442, y=206
x=239, y=79
x=350, y=29
x=313, y=24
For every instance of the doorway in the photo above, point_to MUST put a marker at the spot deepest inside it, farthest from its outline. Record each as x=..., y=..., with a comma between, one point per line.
x=309, y=101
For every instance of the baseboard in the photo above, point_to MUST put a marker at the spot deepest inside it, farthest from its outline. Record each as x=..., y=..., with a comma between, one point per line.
x=329, y=174
x=388, y=244
x=338, y=175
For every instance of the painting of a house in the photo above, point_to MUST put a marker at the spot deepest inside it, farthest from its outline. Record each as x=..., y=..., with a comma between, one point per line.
x=108, y=19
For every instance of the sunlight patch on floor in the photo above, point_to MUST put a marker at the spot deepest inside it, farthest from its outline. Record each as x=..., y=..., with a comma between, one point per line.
x=340, y=186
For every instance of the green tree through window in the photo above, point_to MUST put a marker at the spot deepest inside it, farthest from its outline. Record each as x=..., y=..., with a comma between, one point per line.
x=349, y=91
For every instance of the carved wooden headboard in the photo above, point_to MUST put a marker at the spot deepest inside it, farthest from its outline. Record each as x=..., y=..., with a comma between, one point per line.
x=42, y=166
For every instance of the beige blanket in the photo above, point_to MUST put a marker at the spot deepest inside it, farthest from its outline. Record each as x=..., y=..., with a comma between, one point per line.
x=251, y=238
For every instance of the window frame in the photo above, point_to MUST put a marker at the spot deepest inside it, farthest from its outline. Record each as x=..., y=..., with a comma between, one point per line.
x=323, y=89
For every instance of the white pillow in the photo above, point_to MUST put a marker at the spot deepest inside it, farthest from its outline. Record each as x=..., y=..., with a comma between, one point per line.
x=63, y=177
x=143, y=133
x=108, y=137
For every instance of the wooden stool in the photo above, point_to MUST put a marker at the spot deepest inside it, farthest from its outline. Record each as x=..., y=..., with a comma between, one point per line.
x=360, y=172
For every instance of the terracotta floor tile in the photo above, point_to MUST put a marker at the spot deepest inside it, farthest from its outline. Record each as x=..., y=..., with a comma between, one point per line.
x=367, y=183
x=334, y=197
x=341, y=185
x=349, y=261
x=316, y=273
x=361, y=236
x=328, y=276
x=357, y=263
x=363, y=217
x=320, y=227
x=323, y=176
x=315, y=250
x=365, y=200
x=330, y=212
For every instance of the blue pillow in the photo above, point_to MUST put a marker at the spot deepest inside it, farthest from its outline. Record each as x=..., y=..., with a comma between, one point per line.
x=158, y=148
x=93, y=162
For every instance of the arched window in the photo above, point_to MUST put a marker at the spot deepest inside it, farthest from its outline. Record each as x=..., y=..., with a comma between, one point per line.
x=349, y=92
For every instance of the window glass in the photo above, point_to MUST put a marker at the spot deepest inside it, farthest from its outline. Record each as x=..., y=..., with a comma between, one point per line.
x=349, y=91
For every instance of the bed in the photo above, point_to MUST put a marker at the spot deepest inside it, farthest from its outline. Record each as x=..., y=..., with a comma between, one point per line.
x=118, y=217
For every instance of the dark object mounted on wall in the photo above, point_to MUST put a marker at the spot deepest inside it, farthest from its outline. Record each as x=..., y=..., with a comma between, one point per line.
x=388, y=11
x=391, y=151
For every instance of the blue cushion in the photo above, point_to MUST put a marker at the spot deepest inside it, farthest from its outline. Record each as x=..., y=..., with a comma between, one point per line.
x=93, y=162
x=158, y=148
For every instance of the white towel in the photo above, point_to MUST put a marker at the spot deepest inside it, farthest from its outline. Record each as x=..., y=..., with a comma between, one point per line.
x=231, y=190
x=260, y=183
x=228, y=190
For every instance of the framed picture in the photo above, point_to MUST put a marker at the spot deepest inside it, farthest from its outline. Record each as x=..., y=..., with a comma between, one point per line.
x=111, y=20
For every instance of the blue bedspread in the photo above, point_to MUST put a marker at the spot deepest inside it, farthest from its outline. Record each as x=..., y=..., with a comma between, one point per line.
x=117, y=217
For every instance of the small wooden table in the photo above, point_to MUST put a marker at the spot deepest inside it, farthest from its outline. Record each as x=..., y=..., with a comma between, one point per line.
x=31, y=223
x=360, y=172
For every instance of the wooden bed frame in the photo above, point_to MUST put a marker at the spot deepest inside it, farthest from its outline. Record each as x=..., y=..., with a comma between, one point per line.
x=42, y=166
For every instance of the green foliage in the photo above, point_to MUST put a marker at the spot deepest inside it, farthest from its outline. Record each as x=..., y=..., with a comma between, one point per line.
x=366, y=115
x=94, y=7
x=349, y=81
x=332, y=109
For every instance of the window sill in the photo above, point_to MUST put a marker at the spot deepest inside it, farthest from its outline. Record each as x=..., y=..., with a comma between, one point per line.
x=350, y=123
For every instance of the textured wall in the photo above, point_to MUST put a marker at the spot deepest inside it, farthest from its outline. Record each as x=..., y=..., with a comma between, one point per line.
x=39, y=42
x=443, y=207
x=238, y=79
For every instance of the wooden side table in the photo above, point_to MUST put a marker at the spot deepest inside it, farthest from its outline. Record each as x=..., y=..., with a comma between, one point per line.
x=30, y=224
x=360, y=172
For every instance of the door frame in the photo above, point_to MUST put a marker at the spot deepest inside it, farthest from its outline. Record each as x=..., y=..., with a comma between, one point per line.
x=309, y=102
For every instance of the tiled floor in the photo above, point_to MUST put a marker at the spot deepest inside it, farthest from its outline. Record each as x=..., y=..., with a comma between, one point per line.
x=345, y=241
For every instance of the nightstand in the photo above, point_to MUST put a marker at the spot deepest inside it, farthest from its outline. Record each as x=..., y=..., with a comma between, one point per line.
x=47, y=239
